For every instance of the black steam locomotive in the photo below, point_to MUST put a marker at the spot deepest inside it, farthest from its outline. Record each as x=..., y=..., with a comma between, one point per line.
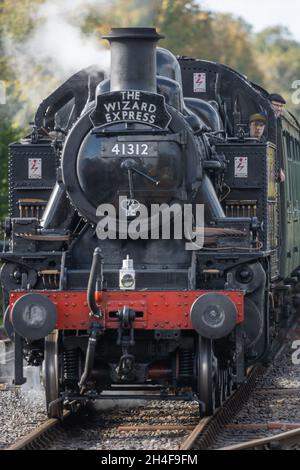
x=104, y=311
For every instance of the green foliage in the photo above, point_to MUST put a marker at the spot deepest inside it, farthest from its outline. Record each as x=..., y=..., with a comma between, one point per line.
x=233, y=46
x=278, y=56
x=187, y=29
x=17, y=17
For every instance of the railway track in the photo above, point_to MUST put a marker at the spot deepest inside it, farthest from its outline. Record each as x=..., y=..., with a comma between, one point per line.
x=289, y=440
x=204, y=437
x=271, y=417
x=54, y=435
x=35, y=437
x=153, y=424
x=176, y=426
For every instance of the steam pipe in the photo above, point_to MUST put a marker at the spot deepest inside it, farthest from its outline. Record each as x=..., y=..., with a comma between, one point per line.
x=133, y=58
x=210, y=200
x=54, y=213
x=90, y=356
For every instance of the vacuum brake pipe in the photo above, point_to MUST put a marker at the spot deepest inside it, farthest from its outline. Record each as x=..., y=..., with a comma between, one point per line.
x=90, y=356
x=96, y=273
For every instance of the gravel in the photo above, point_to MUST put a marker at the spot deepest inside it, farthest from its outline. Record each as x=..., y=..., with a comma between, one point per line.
x=97, y=427
x=21, y=408
x=20, y=412
x=275, y=399
x=98, y=430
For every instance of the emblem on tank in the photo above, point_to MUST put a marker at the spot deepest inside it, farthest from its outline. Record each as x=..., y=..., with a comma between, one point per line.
x=130, y=206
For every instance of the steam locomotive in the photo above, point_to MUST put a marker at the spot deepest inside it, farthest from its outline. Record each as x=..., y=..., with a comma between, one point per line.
x=104, y=312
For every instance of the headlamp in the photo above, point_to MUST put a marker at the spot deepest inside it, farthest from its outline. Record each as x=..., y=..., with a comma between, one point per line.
x=127, y=275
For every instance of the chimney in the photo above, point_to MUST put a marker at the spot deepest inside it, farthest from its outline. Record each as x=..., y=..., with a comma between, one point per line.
x=133, y=58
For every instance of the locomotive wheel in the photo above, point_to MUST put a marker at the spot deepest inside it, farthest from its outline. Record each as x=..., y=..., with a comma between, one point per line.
x=221, y=389
x=52, y=374
x=207, y=376
x=227, y=385
x=229, y=381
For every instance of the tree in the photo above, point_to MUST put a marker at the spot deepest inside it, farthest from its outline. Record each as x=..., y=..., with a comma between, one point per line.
x=232, y=40
x=278, y=56
x=17, y=18
x=186, y=28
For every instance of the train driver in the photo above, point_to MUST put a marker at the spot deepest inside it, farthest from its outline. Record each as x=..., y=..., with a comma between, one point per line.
x=257, y=125
x=278, y=104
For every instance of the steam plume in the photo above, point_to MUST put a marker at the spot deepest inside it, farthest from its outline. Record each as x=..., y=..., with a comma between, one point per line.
x=56, y=49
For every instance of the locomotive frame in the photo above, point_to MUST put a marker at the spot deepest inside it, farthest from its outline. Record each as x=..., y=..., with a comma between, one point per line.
x=189, y=324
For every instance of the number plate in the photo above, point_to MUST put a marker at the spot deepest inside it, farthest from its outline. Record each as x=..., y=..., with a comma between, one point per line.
x=129, y=149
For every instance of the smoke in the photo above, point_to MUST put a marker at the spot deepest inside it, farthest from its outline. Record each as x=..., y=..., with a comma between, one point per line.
x=60, y=40
x=55, y=49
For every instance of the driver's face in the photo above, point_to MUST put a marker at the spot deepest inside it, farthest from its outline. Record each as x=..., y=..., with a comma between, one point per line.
x=278, y=108
x=257, y=129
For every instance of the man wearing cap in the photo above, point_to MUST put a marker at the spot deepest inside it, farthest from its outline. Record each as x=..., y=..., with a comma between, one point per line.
x=257, y=125
x=278, y=103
